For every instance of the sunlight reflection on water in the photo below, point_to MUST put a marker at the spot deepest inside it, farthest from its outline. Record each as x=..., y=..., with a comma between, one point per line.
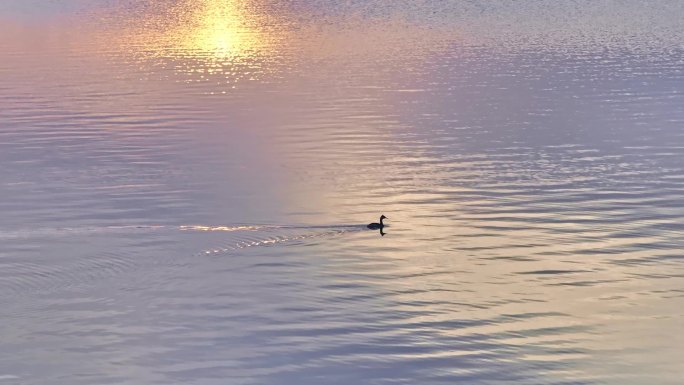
x=205, y=38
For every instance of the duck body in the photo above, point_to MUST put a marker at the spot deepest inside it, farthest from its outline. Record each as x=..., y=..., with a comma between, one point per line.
x=375, y=225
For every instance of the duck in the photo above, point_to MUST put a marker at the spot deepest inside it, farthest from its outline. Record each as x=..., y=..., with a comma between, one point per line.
x=375, y=225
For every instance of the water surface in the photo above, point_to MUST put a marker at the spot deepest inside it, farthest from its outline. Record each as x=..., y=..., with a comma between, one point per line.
x=185, y=185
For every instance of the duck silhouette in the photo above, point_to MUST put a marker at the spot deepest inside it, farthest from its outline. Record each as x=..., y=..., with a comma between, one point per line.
x=377, y=226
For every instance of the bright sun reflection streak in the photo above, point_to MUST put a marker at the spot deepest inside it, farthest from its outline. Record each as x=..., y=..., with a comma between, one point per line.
x=221, y=29
x=226, y=41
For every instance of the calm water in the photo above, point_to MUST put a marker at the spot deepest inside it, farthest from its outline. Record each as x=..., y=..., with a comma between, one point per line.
x=184, y=186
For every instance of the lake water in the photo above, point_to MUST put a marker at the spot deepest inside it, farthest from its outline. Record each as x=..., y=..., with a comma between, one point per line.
x=185, y=186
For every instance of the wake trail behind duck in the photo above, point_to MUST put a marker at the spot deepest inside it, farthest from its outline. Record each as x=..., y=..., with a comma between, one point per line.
x=50, y=260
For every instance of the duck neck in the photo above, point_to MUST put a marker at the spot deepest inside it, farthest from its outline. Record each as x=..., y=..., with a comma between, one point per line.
x=381, y=219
